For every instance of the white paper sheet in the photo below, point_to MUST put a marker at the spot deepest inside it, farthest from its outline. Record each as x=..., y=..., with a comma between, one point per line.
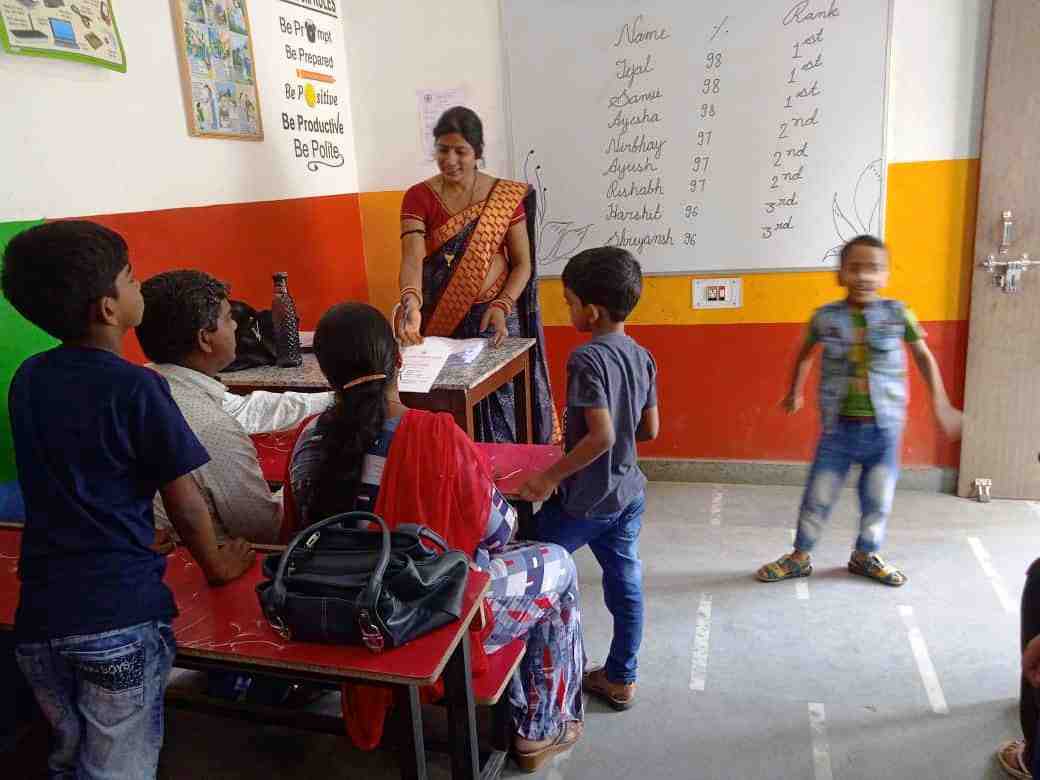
x=433, y=103
x=422, y=365
x=463, y=351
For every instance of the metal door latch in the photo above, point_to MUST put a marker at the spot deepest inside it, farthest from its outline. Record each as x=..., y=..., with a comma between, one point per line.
x=981, y=490
x=1007, y=271
x=1007, y=279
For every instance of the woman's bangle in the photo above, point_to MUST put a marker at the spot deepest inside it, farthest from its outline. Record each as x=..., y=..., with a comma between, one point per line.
x=502, y=304
x=420, y=231
x=413, y=291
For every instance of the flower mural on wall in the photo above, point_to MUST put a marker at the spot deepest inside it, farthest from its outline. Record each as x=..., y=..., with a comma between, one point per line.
x=556, y=240
x=862, y=214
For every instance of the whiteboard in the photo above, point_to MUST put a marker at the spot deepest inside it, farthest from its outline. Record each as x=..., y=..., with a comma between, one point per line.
x=741, y=135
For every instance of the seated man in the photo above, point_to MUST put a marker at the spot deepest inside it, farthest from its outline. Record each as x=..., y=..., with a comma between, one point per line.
x=189, y=334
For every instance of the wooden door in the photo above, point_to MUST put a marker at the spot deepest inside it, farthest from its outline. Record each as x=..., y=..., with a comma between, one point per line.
x=1001, y=439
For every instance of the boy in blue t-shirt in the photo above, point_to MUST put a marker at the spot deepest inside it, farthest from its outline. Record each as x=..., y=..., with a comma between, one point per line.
x=611, y=404
x=95, y=437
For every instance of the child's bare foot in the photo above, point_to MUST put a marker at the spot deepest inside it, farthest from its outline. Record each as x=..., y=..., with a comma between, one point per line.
x=793, y=564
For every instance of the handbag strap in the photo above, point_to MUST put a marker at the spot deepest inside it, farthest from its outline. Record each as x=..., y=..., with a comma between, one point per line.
x=424, y=532
x=370, y=595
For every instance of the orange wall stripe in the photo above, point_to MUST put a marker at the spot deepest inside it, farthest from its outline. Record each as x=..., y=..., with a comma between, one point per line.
x=930, y=225
x=720, y=388
x=318, y=241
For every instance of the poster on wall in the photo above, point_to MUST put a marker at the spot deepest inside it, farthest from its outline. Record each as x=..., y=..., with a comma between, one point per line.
x=312, y=100
x=215, y=46
x=433, y=103
x=82, y=31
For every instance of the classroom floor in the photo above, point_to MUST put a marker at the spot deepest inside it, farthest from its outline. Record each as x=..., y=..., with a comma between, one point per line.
x=829, y=677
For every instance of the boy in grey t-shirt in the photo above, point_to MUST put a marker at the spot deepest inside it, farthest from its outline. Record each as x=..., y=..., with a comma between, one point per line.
x=599, y=489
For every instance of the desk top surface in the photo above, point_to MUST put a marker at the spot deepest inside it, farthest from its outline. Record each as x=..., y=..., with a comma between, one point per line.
x=226, y=624
x=308, y=377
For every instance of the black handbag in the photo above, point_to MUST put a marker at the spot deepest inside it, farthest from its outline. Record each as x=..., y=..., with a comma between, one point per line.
x=339, y=583
x=254, y=338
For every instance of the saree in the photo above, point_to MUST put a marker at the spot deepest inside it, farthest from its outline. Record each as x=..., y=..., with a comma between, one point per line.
x=459, y=252
x=427, y=450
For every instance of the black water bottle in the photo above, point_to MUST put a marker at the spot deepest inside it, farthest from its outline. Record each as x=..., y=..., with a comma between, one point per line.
x=286, y=324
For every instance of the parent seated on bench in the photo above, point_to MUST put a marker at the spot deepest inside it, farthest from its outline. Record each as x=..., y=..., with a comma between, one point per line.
x=189, y=335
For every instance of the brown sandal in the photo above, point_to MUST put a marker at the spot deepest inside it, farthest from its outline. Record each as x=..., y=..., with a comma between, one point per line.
x=1009, y=754
x=565, y=740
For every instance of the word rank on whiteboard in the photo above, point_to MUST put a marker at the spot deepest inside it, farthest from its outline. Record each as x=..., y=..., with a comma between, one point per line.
x=737, y=135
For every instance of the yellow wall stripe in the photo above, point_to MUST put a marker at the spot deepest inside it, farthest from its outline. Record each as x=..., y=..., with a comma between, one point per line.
x=930, y=226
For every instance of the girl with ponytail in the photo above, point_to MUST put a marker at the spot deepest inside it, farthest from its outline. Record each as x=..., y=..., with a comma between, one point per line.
x=370, y=452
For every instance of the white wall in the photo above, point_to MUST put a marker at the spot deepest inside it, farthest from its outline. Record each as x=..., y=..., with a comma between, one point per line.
x=938, y=78
x=938, y=62
x=79, y=140
x=400, y=46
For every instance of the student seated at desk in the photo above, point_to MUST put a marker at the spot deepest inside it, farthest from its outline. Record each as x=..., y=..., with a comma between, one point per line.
x=189, y=334
x=370, y=452
x=95, y=437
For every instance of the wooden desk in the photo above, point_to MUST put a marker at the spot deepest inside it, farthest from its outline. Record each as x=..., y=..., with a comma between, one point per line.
x=457, y=390
x=224, y=629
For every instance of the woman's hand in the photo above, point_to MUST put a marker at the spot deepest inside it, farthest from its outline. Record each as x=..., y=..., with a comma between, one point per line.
x=409, y=324
x=495, y=318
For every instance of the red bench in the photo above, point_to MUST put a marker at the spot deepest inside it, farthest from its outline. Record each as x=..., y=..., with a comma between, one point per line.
x=224, y=629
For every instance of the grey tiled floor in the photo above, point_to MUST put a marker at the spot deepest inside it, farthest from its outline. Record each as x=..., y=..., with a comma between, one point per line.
x=771, y=654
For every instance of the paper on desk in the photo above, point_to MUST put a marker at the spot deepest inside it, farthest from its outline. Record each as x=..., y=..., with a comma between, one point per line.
x=463, y=351
x=422, y=364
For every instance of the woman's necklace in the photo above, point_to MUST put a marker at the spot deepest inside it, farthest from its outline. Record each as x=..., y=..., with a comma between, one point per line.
x=449, y=257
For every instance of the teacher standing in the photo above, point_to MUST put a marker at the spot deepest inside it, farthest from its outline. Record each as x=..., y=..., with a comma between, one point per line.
x=467, y=270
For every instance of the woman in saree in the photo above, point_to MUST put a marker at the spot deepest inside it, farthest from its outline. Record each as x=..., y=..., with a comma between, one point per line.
x=369, y=452
x=467, y=268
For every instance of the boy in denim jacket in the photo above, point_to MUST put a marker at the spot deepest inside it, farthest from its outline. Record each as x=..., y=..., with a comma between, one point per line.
x=863, y=397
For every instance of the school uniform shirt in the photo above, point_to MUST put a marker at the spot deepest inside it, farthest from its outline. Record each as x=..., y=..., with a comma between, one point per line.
x=610, y=372
x=94, y=437
x=239, y=498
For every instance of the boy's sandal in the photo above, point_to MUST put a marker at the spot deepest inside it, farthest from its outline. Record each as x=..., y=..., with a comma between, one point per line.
x=532, y=761
x=872, y=567
x=1009, y=754
x=784, y=568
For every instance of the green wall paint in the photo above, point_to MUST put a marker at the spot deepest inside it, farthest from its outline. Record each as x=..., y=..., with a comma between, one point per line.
x=19, y=340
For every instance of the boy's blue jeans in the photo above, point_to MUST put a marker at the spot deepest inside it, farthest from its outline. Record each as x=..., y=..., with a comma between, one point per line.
x=614, y=540
x=103, y=696
x=877, y=451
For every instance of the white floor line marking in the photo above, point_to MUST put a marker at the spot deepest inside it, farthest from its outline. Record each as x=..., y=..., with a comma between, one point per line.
x=821, y=752
x=716, y=506
x=801, y=590
x=792, y=533
x=701, y=638
x=982, y=555
x=924, y=662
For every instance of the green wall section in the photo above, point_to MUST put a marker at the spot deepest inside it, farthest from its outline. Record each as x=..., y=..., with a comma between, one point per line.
x=19, y=340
